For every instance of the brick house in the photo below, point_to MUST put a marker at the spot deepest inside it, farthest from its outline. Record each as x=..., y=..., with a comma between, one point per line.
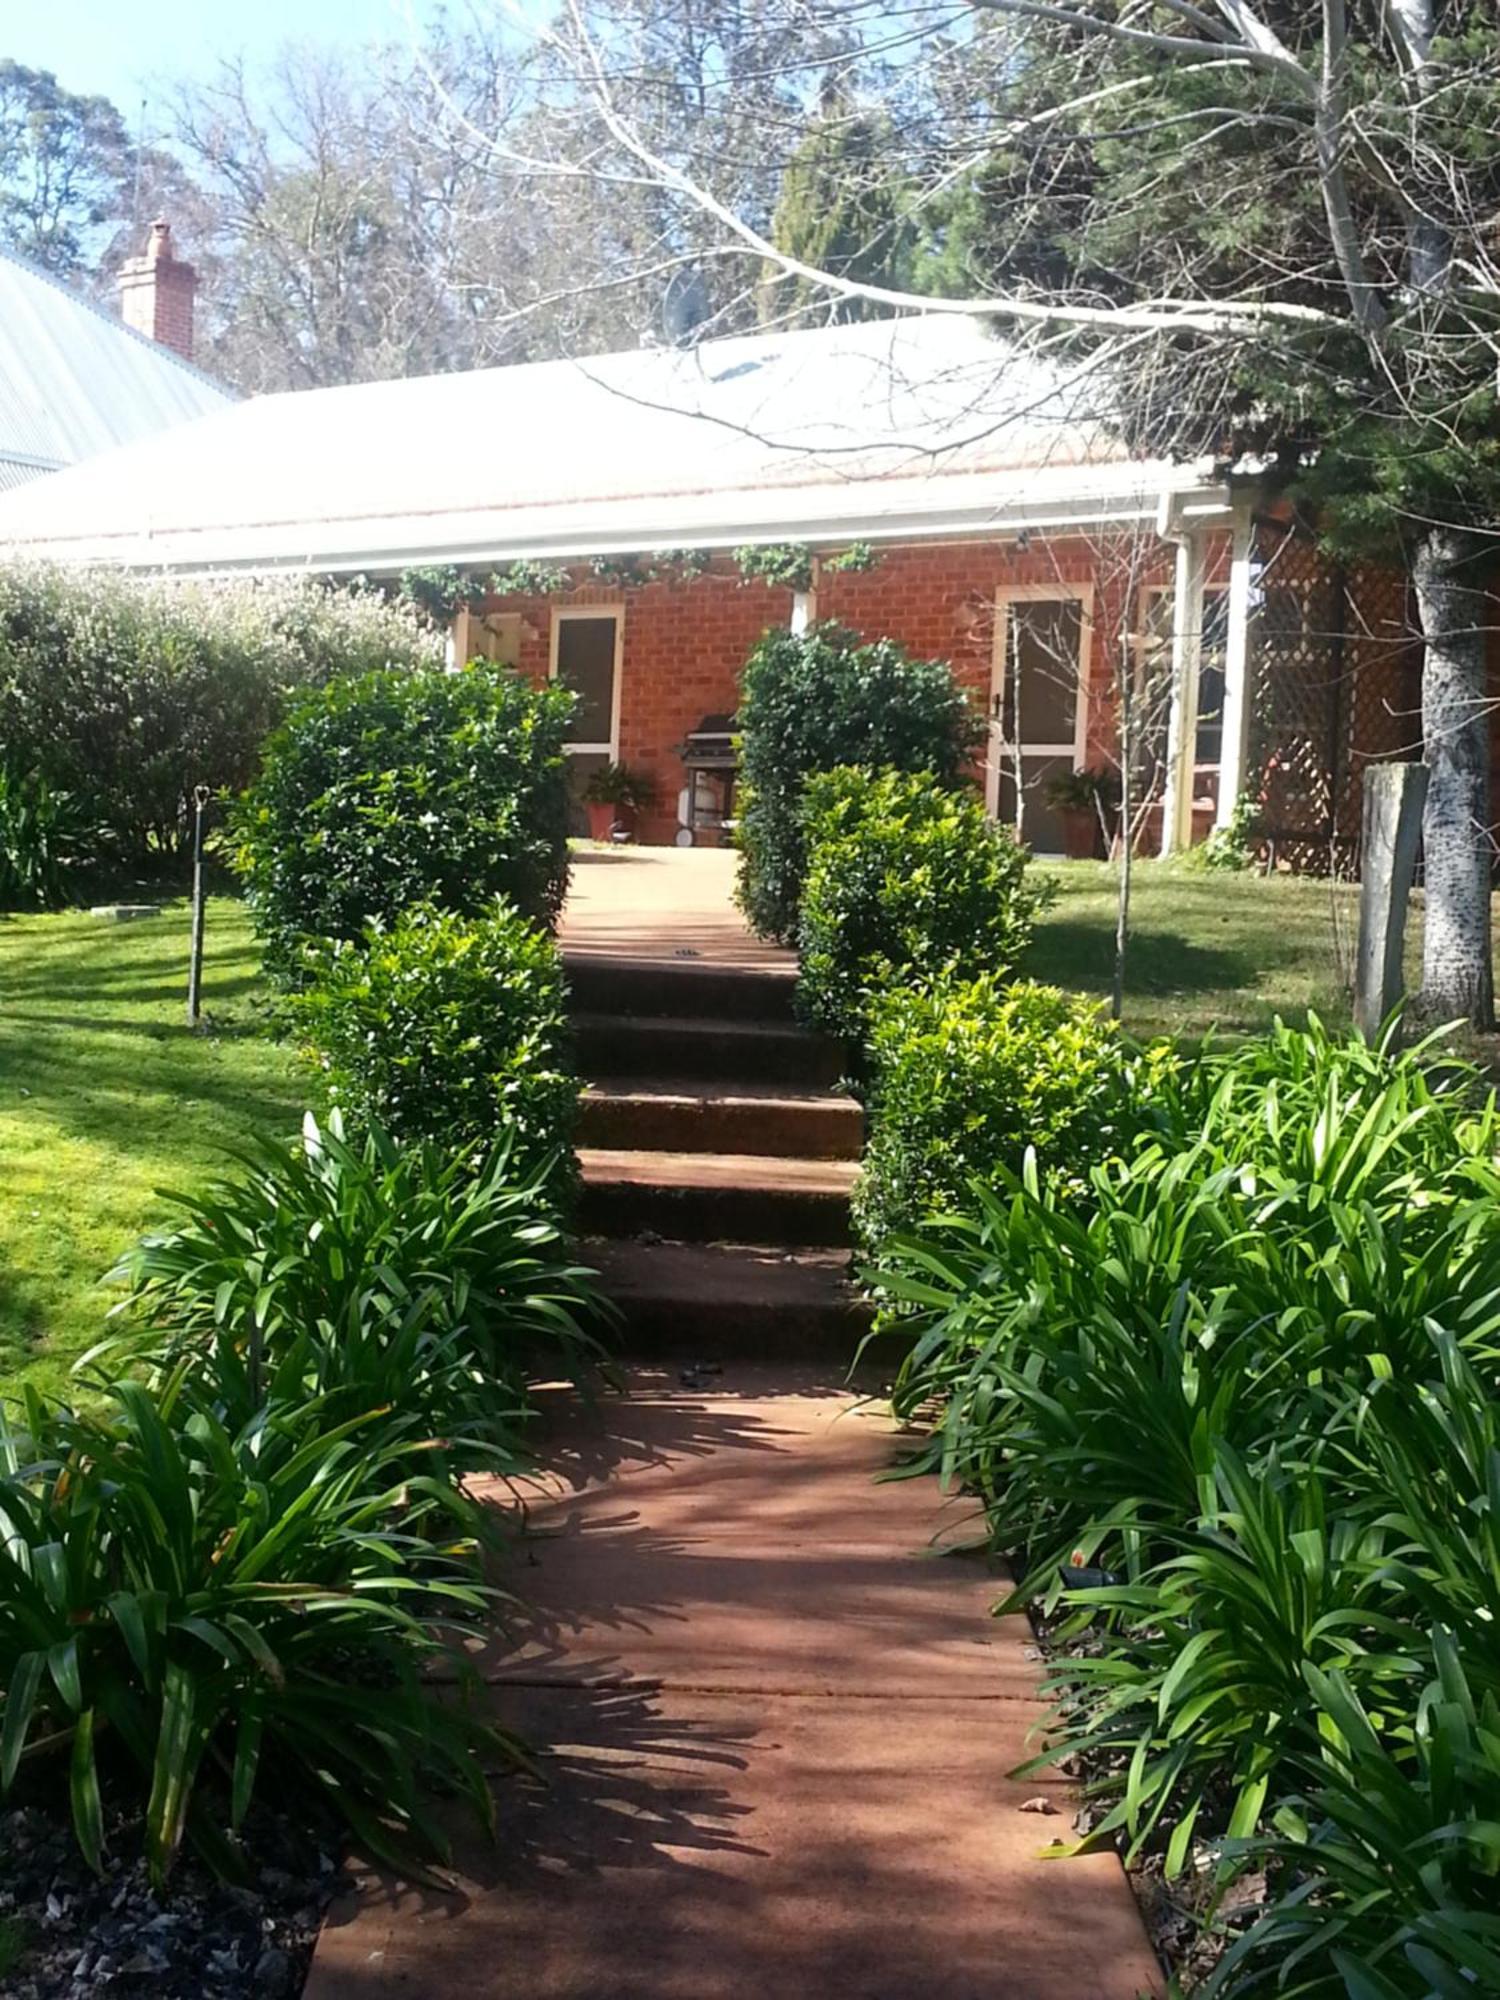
x=1067, y=583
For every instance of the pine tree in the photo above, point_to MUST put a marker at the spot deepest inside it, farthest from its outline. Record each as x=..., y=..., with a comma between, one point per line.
x=840, y=210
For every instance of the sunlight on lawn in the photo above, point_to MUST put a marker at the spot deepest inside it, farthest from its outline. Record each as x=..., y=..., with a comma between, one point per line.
x=105, y=1096
x=1226, y=952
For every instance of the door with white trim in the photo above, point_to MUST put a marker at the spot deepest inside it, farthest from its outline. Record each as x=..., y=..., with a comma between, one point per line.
x=1039, y=704
x=586, y=646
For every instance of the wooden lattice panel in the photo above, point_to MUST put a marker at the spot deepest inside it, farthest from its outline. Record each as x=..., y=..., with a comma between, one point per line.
x=1333, y=679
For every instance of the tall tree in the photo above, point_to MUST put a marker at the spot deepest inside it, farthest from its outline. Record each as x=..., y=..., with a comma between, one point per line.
x=66, y=170
x=841, y=210
x=1288, y=210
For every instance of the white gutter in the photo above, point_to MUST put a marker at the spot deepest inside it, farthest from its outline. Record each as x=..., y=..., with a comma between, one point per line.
x=173, y=548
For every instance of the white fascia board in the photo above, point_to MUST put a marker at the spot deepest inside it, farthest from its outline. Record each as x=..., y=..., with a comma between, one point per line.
x=1090, y=503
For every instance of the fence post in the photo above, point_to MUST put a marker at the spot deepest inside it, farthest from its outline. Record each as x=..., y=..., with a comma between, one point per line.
x=1392, y=830
x=201, y=796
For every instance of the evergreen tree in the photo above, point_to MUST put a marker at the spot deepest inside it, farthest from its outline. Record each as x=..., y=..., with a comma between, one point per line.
x=1302, y=200
x=840, y=210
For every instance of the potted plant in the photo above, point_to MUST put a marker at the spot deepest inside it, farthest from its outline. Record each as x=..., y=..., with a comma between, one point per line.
x=613, y=797
x=1085, y=803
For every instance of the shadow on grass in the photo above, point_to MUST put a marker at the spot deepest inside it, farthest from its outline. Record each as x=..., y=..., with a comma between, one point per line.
x=1079, y=953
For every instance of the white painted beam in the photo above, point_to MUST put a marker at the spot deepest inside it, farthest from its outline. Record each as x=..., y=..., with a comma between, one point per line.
x=1182, y=719
x=1236, y=733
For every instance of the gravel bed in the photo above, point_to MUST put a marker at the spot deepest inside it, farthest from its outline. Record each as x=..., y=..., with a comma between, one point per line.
x=66, y=1932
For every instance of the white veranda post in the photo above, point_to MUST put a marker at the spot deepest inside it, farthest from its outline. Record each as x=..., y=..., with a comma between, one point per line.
x=1182, y=716
x=1234, y=755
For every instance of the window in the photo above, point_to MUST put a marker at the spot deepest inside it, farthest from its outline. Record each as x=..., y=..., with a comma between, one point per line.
x=586, y=658
x=1153, y=688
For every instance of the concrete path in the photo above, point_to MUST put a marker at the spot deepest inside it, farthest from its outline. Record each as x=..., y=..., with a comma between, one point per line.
x=777, y=1733
x=662, y=903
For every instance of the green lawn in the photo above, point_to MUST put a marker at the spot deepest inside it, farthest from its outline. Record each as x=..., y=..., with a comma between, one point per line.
x=1206, y=951
x=105, y=1095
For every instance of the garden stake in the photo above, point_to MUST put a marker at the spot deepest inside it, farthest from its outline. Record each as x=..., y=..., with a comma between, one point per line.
x=201, y=797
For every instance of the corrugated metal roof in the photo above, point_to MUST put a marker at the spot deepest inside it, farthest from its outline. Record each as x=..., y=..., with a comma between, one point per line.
x=891, y=427
x=75, y=381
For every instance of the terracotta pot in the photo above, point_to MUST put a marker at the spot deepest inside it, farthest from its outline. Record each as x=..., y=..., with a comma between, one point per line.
x=1080, y=833
x=602, y=818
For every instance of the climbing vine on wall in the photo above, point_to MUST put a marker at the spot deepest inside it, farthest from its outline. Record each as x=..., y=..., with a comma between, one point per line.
x=792, y=565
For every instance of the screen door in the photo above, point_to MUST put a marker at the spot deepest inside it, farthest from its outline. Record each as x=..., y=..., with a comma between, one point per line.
x=1037, y=730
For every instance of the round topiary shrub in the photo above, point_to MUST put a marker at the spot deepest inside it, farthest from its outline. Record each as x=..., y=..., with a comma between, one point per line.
x=967, y=1074
x=450, y=1028
x=401, y=786
x=812, y=701
x=907, y=882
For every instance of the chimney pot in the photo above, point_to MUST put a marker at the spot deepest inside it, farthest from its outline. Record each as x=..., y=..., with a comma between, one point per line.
x=156, y=292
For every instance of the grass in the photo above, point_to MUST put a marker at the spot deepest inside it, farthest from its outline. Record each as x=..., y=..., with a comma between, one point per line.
x=12, y=1945
x=1225, y=952
x=106, y=1096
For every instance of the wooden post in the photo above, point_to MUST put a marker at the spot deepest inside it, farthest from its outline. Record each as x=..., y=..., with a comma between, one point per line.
x=1394, y=796
x=201, y=796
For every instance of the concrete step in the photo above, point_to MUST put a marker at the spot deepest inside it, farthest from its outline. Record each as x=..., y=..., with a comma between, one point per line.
x=715, y=1197
x=733, y=1052
x=688, y=1117
x=717, y=1302
x=603, y=984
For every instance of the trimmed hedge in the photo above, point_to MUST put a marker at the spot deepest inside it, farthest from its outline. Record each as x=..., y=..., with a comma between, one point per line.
x=967, y=1075
x=399, y=787
x=908, y=882
x=813, y=701
x=448, y=1028
x=126, y=692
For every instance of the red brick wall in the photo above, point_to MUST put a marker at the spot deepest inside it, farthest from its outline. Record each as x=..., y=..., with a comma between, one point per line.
x=684, y=646
x=685, y=643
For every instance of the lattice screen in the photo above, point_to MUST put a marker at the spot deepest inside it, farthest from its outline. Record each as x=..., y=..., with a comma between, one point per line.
x=1334, y=680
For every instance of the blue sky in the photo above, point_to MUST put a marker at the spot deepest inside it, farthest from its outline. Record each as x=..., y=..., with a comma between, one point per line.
x=117, y=47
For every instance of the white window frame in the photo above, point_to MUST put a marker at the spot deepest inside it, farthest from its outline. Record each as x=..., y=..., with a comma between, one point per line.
x=1006, y=595
x=616, y=610
x=1150, y=592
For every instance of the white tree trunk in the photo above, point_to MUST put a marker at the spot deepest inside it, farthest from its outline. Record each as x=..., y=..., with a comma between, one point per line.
x=1457, y=981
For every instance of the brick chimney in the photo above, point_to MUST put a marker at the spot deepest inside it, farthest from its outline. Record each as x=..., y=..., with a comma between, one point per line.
x=156, y=293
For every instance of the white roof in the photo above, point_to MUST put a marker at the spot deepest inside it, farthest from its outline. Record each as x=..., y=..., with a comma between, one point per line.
x=893, y=428
x=74, y=380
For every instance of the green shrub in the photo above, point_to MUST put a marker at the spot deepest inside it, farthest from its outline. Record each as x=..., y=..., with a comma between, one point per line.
x=448, y=1028
x=129, y=691
x=810, y=702
x=365, y=1273
x=399, y=786
x=964, y=1076
x=1232, y=1407
x=44, y=837
x=908, y=882
x=220, y=1603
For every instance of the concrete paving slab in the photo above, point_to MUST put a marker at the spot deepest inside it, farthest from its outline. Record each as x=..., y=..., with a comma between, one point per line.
x=630, y=1604
x=713, y=1847
x=676, y=904
x=715, y=1469
x=776, y=1751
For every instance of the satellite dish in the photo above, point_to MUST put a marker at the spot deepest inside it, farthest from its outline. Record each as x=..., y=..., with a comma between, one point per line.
x=684, y=306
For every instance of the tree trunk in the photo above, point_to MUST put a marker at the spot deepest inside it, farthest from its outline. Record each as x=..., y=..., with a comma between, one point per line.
x=1457, y=981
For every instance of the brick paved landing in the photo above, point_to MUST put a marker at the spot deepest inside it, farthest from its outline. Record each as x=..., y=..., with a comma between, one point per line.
x=776, y=1727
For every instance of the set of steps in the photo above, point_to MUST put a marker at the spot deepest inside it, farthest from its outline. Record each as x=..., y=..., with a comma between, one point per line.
x=717, y=1159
